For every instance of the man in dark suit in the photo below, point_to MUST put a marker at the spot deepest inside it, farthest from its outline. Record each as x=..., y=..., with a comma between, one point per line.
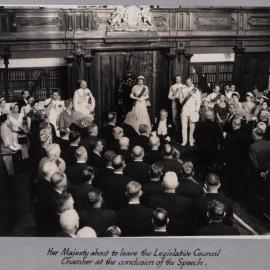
x=160, y=220
x=108, y=170
x=143, y=139
x=188, y=186
x=92, y=135
x=23, y=101
x=106, y=131
x=163, y=127
x=178, y=207
x=114, y=186
x=95, y=158
x=79, y=192
x=212, y=183
x=69, y=222
x=68, y=153
x=138, y=170
x=134, y=219
x=44, y=183
x=124, y=149
x=128, y=125
x=154, y=155
x=154, y=186
x=74, y=171
x=216, y=214
x=114, y=143
x=236, y=146
x=94, y=216
x=169, y=163
x=208, y=137
x=47, y=217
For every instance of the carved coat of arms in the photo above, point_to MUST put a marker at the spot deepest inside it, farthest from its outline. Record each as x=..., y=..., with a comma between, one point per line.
x=131, y=18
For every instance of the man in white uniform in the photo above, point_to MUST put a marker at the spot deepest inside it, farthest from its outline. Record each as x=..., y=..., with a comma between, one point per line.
x=174, y=95
x=190, y=100
x=83, y=100
x=53, y=107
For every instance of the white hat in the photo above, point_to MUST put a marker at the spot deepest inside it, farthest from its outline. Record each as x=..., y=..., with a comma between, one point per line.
x=141, y=77
x=236, y=94
x=250, y=94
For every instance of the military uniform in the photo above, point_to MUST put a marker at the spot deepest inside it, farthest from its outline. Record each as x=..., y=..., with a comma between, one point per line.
x=190, y=112
x=83, y=101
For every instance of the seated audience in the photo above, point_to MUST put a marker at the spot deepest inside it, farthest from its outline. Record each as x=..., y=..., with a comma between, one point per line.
x=95, y=158
x=106, y=133
x=124, y=149
x=142, y=139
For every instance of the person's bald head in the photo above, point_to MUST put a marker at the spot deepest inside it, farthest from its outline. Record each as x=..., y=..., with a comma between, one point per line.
x=137, y=152
x=154, y=142
x=86, y=232
x=124, y=143
x=118, y=163
x=170, y=181
x=81, y=154
x=69, y=221
x=118, y=133
x=53, y=151
x=216, y=210
x=133, y=190
x=48, y=169
x=59, y=181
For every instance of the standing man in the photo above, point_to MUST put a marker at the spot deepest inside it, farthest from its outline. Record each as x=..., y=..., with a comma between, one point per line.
x=190, y=102
x=174, y=95
x=83, y=100
x=54, y=107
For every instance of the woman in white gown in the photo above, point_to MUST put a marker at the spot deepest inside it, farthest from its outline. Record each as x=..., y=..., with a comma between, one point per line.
x=140, y=94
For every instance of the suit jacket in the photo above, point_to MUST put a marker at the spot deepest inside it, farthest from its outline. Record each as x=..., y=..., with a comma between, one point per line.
x=152, y=157
x=126, y=155
x=98, y=219
x=142, y=141
x=171, y=164
x=170, y=130
x=86, y=142
x=68, y=155
x=135, y=220
x=62, y=143
x=218, y=228
x=189, y=189
x=43, y=185
x=179, y=211
x=113, y=145
x=150, y=189
x=47, y=217
x=79, y=194
x=114, y=188
x=106, y=132
x=95, y=160
x=200, y=209
x=82, y=130
x=138, y=170
x=129, y=131
x=74, y=171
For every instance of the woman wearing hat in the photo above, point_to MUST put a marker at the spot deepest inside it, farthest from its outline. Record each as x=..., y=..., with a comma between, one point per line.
x=140, y=95
x=248, y=106
x=237, y=103
x=263, y=105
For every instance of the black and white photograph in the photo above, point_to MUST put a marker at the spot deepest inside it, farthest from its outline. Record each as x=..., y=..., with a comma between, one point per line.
x=134, y=121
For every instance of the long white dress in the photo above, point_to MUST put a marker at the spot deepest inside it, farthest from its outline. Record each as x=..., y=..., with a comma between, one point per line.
x=140, y=105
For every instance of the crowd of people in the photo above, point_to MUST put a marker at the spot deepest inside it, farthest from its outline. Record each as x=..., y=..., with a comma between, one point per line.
x=132, y=178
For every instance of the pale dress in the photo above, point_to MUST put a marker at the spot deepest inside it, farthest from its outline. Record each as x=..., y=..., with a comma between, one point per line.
x=140, y=107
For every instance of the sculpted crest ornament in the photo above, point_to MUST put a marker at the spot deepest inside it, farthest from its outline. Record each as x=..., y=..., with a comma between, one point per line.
x=131, y=18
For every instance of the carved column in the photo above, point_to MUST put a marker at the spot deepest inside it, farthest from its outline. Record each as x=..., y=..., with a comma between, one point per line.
x=172, y=57
x=88, y=60
x=186, y=66
x=71, y=77
x=237, y=68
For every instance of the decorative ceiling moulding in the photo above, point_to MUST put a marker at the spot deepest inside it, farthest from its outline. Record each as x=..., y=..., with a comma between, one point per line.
x=38, y=22
x=215, y=21
x=259, y=22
